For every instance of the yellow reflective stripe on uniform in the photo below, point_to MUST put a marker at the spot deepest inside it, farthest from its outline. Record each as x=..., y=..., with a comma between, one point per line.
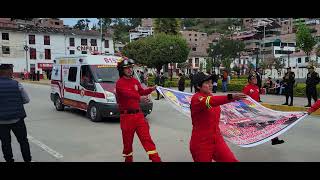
x=152, y=152
x=208, y=102
x=126, y=155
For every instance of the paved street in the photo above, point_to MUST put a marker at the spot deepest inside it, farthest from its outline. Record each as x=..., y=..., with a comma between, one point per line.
x=70, y=136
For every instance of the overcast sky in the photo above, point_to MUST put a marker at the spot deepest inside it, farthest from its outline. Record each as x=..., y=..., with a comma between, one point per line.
x=73, y=21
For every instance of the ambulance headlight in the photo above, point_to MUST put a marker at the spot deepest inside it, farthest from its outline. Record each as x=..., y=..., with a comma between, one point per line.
x=110, y=97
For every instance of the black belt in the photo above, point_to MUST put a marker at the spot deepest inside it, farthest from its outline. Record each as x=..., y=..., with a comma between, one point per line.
x=130, y=111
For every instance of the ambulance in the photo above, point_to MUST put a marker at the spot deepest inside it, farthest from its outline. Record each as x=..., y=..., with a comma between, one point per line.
x=87, y=82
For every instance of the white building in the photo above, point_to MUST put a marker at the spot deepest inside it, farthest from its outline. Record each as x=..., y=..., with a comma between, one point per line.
x=34, y=48
x=300, y=59
x=140, y=32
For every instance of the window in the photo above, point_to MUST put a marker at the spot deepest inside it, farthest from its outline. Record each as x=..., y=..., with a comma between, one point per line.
x=33, y=53
x=93, y=42
x=202, y=34
x=46, y=40
x=106, y=43
x=284, y=44
x=32, y=39
x=267, y=44
x=5, y=36
x=71, y=51
x=86, y=77
x=84, y=52
x=71, y=42
x=278, y=52
x=190, y=39
x=196, y=35
x=291, y=45
x=47, y=54
x=57, y=23
x=196, y=62
x=195, y=39
x=276, y=43
x=299, y=60
x=84, y=42
x=5, y=50
x=306, y=59
x=194, y=49
x=72, y=74
x=190, y=61
x=189, y=34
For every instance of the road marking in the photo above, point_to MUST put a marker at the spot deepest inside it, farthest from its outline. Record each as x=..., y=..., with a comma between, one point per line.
x=45, y=147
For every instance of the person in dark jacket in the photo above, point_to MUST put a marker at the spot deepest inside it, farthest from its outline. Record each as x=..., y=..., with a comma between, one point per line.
x=181, y=82
x=214, y=78
x=191, y=80
x=289, y=80
x=311, y=82
x=12, y=114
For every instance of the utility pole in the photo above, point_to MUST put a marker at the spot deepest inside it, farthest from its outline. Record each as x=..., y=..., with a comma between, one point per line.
x=101, y=33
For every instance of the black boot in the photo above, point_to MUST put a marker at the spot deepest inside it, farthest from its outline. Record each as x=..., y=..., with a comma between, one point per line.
x=285, y=103
x=276, y=141
x=308, y=105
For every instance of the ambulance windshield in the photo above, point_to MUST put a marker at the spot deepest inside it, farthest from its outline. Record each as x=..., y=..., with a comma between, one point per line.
x=105, y=73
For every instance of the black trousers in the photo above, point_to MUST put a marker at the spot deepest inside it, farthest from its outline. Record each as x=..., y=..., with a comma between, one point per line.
x=214, y=89
x=289, y=93
x=311, y=91
x=191, y=86
x=20, y=131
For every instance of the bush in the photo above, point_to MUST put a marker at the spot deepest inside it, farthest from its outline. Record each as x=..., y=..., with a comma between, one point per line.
x=300, y=90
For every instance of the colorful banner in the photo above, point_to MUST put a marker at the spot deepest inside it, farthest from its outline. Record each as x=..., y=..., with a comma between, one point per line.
x=245, y=123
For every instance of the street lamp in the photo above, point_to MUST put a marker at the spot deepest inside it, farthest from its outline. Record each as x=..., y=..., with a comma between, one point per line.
x=26, y=48
x=171, y=47
x=257, y=60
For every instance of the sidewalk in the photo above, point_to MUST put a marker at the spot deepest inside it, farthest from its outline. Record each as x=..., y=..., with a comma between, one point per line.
x=42, y=81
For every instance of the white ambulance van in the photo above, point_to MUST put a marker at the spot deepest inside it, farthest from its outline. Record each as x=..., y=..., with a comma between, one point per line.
x=87, y=82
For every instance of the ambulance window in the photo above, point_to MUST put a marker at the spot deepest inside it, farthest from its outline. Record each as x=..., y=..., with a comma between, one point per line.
x=72, y=74
x=86, y=77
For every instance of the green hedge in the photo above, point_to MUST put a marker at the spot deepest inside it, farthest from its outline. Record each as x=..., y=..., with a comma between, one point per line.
x=235, y=85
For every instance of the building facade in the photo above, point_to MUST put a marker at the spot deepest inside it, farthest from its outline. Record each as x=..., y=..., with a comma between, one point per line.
x=33, y=48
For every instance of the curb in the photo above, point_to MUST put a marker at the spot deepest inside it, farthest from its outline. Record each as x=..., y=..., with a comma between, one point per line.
x=288, y=108
x=35, y=82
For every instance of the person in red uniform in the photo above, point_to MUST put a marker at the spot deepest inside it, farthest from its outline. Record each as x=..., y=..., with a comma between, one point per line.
x=129, y=92
x=314, y=107
x=206, y=142
x=252, y=90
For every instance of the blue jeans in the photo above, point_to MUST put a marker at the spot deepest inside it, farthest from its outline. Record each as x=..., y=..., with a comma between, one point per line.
x=224, y=86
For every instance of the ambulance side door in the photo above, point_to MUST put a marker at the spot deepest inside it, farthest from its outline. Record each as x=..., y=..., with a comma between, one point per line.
x=87, y=87
x=71, y=86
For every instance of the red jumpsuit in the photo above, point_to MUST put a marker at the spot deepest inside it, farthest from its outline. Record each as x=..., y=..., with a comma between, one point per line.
x=128, y=97
x=314, y=107
x=206, y=142
x=252, y=91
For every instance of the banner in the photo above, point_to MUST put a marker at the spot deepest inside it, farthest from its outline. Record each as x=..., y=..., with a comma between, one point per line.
x=245, y=123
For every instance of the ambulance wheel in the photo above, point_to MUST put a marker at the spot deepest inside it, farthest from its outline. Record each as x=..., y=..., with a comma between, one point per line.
x=58, y=104
x=94, y=113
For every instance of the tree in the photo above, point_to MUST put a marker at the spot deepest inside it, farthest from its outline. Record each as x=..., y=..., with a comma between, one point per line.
x=106, y=22
x=94, y=27
x=154, y=51
x=226, y=50
x=305, y=40
x=81, y=24
x=87, y=21
x=209, y=64
x=215, y=52
x=189, y=22
x=169, y=26
x=134, y=22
